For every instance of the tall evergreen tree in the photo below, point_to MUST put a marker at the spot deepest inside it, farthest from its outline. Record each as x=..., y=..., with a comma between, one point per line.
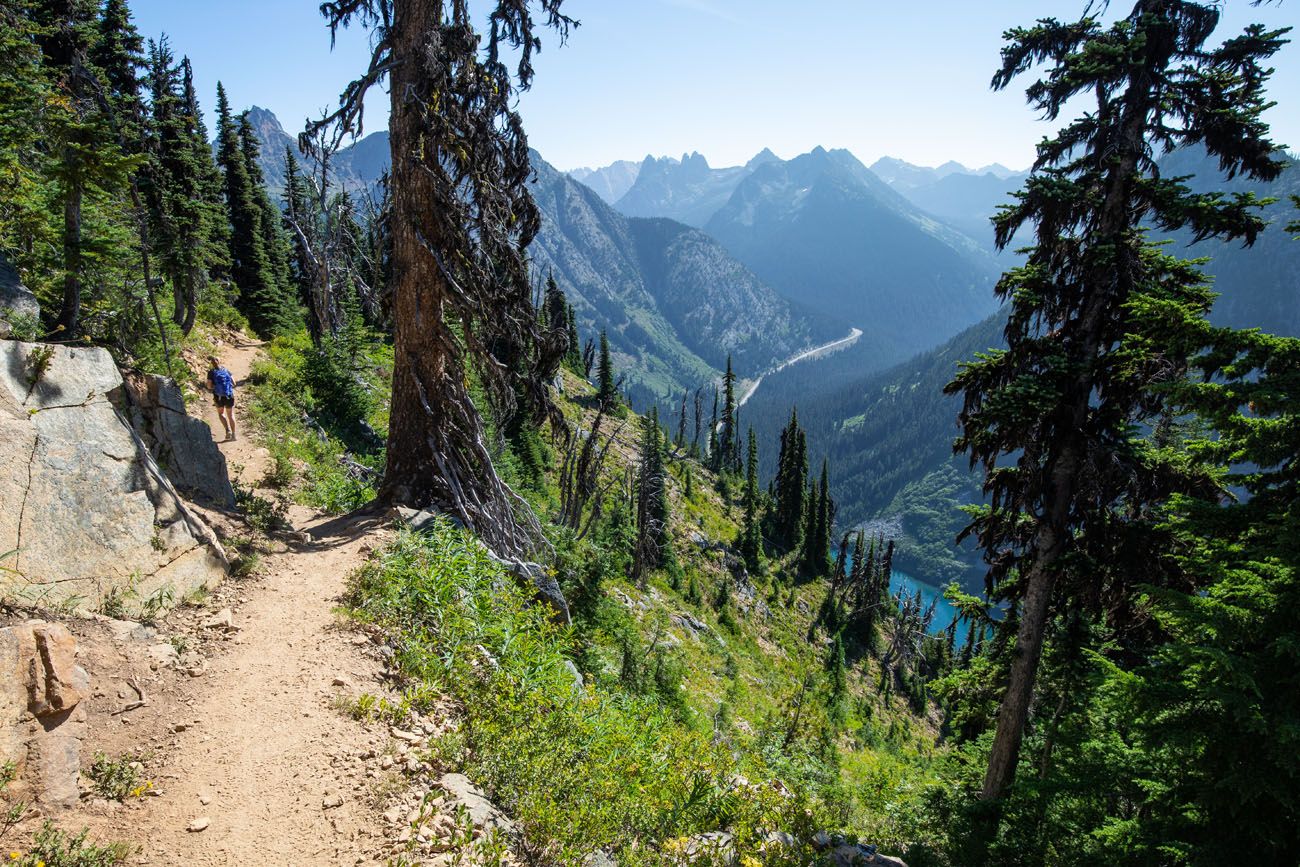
x=652, y=513
x=727, y=454
x=574, y=356
x=189, y=224
x=118, y=53
x=817, y=537
x=250, y=266
x=1218, y=705
x=462, y=219
x=278, y=307
x=606, y=386
x=91, y=170
x=787, y=515
x=1099, y=318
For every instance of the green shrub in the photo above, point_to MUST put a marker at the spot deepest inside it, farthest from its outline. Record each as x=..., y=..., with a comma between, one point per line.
x=118, y=779
x=581, y=770
x=54, y=848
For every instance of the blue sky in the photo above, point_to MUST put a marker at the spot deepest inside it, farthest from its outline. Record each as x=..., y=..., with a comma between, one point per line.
x=722, y=77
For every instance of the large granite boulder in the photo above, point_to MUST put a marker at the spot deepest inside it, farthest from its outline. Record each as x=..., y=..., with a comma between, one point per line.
x=181, y=443
x=15, y=298
x=87, y=510
x=42, y=719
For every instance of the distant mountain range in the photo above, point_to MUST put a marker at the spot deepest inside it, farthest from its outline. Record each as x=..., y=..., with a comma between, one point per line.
x=673, y=301
x=687, y=190
x=357, y=167
x=609, y=182
x=831, y=236
x=888, y=434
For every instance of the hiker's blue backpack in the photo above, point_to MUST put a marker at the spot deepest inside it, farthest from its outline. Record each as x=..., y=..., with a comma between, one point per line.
x=223, y=384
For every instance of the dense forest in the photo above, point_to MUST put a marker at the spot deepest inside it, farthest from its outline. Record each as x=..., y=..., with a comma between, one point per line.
x=1120, y=683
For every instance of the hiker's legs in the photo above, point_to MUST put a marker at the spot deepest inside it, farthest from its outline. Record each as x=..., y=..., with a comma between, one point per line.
x=227, y=415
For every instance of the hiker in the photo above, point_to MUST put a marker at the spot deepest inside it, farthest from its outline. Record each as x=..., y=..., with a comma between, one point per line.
x=223, y=394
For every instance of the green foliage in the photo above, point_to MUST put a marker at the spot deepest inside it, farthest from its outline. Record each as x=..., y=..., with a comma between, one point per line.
x=118, y=779
x=580, y=769
x=258, y=251
x=264, y=515
x=317, y=409
x=55, y=848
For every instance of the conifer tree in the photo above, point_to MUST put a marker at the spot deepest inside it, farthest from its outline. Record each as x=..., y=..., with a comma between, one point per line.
x=1221, y=692
x=304, y=234
x=606, y=386
x=1100, y=319
x=680, y=440
x=652, y=502
x=28, y=231
x=118, y=53
x=89, y=165
x=462, y=219
x=787, y=515
x=713, y=434
x=189, y=224
x=278, y=307
x=727, y=455
x=250, y=266
x=817, y=543
x=555, y=307
x=807, y=550
x=574, y=357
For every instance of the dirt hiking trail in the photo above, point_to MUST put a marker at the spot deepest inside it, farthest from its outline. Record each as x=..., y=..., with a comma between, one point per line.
x=252, y=748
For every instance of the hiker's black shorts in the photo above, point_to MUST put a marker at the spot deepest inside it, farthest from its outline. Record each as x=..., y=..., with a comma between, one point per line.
x=225, y=401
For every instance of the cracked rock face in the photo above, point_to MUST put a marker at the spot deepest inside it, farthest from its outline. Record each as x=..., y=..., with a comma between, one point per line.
x=15, y=298
x=182, y=444
x=85, y=506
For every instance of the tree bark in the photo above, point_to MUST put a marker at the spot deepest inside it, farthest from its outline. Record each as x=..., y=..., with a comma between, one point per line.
x=437, y=453
x=1108, y=288
x=70, y=312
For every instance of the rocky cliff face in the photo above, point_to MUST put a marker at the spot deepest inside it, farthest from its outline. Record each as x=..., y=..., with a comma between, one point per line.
x=181, y=443
x=88, y=514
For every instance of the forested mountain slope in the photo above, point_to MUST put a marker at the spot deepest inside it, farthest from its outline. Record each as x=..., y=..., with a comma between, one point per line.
x=966, y=200
x=888, y=435
x=824, y=230
x=674, y=303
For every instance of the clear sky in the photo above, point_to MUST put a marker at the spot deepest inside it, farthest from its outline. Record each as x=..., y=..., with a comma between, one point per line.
x=722, y=77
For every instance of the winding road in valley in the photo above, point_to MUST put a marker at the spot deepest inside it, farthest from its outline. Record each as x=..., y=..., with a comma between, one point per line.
x=814, y=352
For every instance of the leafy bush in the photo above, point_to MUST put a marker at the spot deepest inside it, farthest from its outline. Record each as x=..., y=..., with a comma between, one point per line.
x=54, y=848
x=118, y=779
x=317, y=409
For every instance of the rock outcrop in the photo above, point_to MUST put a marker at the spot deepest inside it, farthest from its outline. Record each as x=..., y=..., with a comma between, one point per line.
x=42, y=720
x=15, y=298
x=87, y=513
x=181, y=443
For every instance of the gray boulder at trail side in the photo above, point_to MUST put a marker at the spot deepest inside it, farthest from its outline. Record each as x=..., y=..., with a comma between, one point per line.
x=86, y=507
x=181, y=443
x=15, y=298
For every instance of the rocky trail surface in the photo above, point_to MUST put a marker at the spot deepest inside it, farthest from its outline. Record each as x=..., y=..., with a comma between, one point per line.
x=250, y=757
